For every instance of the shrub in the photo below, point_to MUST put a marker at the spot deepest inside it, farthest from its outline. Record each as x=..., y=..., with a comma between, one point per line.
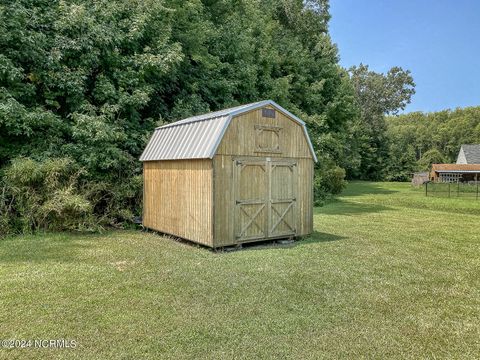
x=115, y=203
x=58, y=194
x=43, y=195
x=330, y=181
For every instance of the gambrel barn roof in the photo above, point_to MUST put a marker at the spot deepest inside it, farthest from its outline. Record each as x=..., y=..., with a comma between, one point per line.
x=198, y=137
x=469, y=154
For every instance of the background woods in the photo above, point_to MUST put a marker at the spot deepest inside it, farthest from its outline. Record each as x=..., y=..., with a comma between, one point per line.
x=83, y=83
x=421, y=139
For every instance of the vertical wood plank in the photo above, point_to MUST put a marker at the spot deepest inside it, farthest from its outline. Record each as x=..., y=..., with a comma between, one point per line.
x=268, y=167
x=178, y=198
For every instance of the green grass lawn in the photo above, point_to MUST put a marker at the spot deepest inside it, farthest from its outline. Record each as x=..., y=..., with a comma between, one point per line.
x=388, y=273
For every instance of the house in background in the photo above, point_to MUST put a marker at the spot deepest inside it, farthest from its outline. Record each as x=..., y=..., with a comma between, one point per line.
x=467, y=168
x=455, y=172
x=469, y=154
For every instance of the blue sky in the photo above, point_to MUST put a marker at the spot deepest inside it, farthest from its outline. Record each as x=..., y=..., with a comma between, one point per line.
x=437, y=40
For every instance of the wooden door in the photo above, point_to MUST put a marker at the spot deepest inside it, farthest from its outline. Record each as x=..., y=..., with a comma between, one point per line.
x=265, y=198
x=282, y=199
x=251, y=184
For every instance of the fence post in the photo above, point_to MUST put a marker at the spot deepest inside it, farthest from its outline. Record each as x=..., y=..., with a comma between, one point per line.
x=458, y=188
x=449, y=189
x=477, y=190
x=426, y=189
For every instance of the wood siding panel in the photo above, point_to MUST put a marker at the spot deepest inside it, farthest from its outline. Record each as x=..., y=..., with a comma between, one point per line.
x=242, y=135
x=178, y=198
x=224, y=198
x=305, y=197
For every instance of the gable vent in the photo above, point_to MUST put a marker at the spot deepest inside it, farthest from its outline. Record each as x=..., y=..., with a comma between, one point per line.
x=268, y=113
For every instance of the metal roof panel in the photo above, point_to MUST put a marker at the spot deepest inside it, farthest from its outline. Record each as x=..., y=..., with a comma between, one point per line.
x=191, y=140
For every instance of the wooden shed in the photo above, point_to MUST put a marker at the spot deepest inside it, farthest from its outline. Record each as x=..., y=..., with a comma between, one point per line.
x=228, y=177
x=420, y=178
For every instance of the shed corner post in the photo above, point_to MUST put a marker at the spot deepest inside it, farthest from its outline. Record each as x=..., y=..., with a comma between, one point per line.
x=212, y=199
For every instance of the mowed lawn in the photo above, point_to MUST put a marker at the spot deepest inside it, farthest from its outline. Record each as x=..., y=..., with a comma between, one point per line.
x=388, y=273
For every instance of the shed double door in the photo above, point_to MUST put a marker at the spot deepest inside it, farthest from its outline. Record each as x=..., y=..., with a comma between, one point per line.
x=265, y=198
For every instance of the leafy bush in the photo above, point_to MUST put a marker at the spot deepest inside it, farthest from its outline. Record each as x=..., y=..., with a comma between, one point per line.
x=115, y=204
x=57, y=194
x=330, y=181
x=432, y=156
x=44, y=196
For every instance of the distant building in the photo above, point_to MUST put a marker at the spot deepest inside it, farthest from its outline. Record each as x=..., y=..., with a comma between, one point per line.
x=455, y=172
x=467, y=168
x=420, y=178
x=469, y=154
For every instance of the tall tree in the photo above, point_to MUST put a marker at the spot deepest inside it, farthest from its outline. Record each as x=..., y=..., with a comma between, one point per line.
x=377, y=95
x=435, y=137
x=90, y=79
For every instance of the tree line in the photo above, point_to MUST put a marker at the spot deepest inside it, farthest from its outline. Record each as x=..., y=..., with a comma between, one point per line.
x=83, y=83
x=417, y=140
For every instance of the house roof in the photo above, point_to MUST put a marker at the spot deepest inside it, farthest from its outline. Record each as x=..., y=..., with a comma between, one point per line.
x=472, y=153
x=198, y=137
x=456, y=168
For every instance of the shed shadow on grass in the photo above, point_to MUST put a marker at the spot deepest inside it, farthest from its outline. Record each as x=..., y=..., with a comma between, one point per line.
x=319, y=237
x=359, y=188
x=315, y=237
x=349, y=208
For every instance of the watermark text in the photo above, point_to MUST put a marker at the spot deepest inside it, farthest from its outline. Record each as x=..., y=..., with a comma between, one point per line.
x=38, y=344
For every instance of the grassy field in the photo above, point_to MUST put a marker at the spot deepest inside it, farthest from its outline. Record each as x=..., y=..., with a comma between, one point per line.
x=388, y=273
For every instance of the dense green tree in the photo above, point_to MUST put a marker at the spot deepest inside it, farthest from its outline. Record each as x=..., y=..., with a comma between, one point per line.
x=429, y=157
x=376, y=95
x=84, y=82
x=401, y=161
x=435, y=137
